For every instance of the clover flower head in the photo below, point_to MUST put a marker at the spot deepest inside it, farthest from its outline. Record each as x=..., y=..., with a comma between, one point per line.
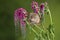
x=20, y=15
x=34, y=6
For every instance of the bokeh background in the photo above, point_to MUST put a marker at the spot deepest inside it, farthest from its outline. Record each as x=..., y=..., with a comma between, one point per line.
x=7, y=8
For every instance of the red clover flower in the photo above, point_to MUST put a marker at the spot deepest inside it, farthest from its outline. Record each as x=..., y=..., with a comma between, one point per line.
x=35, y=6
x=19, y=18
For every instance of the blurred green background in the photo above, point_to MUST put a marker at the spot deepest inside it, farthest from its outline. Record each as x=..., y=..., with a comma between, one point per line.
x=7, y=8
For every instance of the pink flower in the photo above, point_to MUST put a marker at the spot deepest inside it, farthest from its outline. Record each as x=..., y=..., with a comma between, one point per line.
x=35, y=6
x=19, y=18
x=20, y=15
x=42, y=8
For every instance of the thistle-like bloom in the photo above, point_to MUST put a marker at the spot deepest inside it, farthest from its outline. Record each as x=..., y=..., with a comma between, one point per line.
x=20, y=15
x=35, y=6
x=19, y=18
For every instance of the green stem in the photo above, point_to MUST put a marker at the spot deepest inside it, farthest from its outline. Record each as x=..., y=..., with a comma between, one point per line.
x=35, y=32
x=38, y=27
x=53, y=35
x=48, y=36
x=50, y=17
x=40, y=32
x=39, y=13
x=32, y=29
x=51, y=23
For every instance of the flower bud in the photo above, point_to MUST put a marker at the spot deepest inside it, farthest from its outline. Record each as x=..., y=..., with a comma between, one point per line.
x=42, y=8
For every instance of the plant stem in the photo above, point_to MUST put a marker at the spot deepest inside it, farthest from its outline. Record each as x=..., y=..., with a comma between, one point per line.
x=38, y=27
x=51, y=23
x=32, y=29
x=50, y=16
